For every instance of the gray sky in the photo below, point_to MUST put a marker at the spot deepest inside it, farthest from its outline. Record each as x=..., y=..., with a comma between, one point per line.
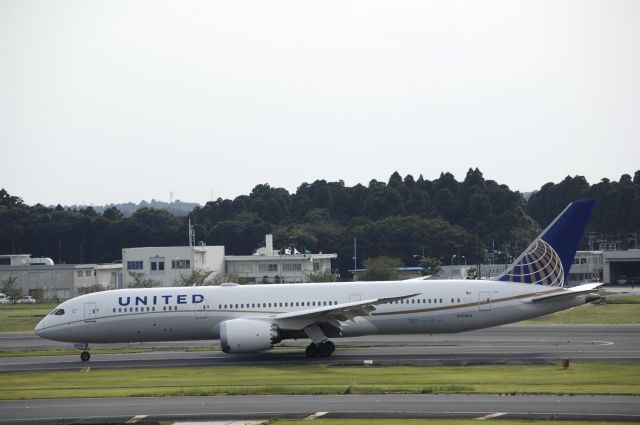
x=111, y=101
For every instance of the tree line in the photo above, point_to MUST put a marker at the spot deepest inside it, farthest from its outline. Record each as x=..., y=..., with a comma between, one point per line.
x=404, y=217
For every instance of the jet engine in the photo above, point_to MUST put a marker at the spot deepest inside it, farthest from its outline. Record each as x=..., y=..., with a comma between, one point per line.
x=247, y=335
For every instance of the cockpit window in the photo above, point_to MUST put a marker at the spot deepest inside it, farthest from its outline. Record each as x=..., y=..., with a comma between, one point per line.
x=57, y=312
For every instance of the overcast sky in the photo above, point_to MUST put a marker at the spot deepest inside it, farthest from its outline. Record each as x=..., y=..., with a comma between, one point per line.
x=112, y=101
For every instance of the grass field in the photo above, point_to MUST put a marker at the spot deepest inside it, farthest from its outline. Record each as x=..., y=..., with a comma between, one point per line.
x=581, y=378
x=592, y=314
x=22, y=317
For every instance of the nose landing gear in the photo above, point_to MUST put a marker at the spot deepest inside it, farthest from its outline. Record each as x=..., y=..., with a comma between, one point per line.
x=85, y=355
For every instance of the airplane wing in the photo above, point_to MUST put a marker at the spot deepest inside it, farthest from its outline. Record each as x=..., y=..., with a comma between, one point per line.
x=334, y=314
x=570, y=292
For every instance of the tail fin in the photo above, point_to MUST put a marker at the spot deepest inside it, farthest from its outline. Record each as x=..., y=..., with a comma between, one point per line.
x=549, y=257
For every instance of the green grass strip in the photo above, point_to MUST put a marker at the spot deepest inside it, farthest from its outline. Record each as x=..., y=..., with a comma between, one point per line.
x=592, y=314
x=581, y=378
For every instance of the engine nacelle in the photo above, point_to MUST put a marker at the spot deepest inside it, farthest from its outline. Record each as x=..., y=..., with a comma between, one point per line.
x=247, y=335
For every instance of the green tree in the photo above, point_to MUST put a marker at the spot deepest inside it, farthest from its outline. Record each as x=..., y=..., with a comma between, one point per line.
x=141, y=280
x=11, y=289
x=381, y=268
x=321, y=277
x=196, y=277
x=431, y=266
x=96, y=287
x=38, y=294
x=472, y=273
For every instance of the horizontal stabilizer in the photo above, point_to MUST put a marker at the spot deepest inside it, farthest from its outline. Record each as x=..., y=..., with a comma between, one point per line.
x=569, y=292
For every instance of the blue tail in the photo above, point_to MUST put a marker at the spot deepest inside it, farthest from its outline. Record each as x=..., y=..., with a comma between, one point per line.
x=548, y=259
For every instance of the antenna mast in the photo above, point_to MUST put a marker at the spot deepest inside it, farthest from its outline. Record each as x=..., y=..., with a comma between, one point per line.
x=192, y=235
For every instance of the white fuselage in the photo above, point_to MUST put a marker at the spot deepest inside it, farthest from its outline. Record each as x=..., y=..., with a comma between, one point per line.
x=189, y=313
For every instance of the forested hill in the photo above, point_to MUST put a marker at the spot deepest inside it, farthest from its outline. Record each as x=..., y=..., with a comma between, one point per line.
x=401, y=218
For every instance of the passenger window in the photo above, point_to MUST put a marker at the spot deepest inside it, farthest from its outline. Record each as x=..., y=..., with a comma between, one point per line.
x=114, y=310
x=413, y=301
x=264, y=305
x=325, y=303
x=296, y=304
x=452, y=300
x=440, y=300
x=458, y=299
x=153, y=309
x=314, y=303
x=286, y=304
x=308, y=304
x=136, y=308
x=119, y=309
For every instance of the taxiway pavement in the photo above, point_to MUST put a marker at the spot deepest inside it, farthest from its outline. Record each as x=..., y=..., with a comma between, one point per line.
x=505, y=344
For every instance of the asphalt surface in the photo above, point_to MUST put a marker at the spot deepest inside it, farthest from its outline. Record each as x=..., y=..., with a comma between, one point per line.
x=501, y=345
x=506, y=344
x=119, y=410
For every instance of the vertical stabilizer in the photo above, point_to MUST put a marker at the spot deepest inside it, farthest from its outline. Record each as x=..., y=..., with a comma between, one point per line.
x=549, y=257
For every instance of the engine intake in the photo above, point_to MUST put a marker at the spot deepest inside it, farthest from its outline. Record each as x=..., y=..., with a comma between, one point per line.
x=247, y=335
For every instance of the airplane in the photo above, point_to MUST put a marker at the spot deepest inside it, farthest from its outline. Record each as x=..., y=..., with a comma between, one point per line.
x=253, y=318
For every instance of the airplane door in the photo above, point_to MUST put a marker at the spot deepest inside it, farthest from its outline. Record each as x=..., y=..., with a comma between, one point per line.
x=201, y=309
x=90, y=312
x=484, y=301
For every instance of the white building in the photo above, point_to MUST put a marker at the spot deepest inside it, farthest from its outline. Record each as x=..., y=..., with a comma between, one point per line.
x=166, y=264
x=272, y=266
x=58, y=282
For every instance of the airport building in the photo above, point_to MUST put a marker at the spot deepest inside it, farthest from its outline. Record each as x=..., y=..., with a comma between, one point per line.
x=170, y=265
x=166, y=266
x=267, y=265
x=57, y=281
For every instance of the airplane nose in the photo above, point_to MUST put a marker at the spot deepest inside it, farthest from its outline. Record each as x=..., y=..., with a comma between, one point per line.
x=39, y=329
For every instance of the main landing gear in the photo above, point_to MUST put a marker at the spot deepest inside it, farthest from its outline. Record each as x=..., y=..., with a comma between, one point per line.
x=324, y=349
x=85, y=355
x=320, y=346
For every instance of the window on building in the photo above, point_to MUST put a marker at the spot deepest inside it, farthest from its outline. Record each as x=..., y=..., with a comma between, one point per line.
x=180, y=264
x=267, y=267
x=79, y=273
x=135, y=265
x=292, y=267
x=316, y=266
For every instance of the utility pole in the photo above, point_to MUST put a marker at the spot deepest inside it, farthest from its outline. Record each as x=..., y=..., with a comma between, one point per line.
x=355, y=253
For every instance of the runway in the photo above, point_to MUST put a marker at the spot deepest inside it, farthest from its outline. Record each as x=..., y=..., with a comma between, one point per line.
x=511, y=344
x=502, y=345
x=120, y=410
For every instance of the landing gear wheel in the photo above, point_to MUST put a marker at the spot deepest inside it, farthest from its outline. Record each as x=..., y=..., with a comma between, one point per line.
x=85, y=356
x=326, y=348
x=312, y=350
